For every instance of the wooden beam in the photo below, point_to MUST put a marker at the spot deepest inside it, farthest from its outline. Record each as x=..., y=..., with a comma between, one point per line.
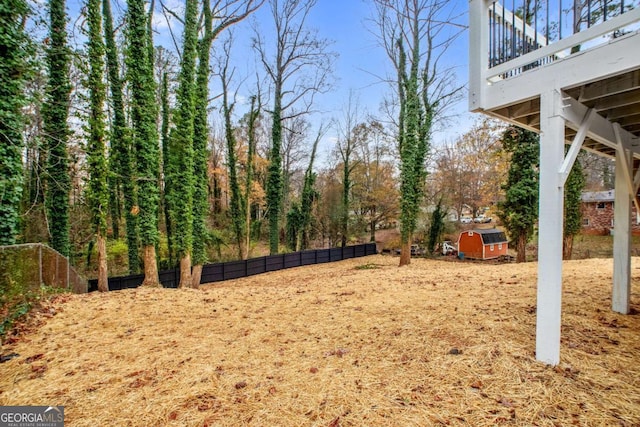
x=616, y=113
x=611, y=86
x=630, y=120
x=618, y=101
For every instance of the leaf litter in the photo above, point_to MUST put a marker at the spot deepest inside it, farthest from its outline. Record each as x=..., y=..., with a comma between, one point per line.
x=433, y=343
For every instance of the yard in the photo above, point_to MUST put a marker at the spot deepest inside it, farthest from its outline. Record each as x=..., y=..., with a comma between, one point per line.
x=359, y=342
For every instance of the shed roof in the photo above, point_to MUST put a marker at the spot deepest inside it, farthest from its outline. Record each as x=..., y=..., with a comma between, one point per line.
x=491, y=235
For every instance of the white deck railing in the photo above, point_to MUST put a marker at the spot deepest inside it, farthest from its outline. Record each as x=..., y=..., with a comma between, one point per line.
x=542, y=31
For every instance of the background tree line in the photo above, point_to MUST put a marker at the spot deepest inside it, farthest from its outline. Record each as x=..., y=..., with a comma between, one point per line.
x=111, y=142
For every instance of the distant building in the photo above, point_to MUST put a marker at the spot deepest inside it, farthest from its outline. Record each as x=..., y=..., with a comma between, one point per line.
x=597, y=213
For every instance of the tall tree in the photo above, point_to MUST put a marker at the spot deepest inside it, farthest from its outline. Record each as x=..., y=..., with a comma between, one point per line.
x=237, y=203
x=164, y=138
x=297, y=51
x=519, y=210
x=56, y=128
x=96, y=153
x=252, y=121
x=436, y=227
x=299, y=215
x=572, y=207
x=223, y=13
x=415, y=35
x=179, y=194
x=347, y=147
x=144, y=135
x=375, y=193
x=14, y=48
x=120, y=154
x=308, y=197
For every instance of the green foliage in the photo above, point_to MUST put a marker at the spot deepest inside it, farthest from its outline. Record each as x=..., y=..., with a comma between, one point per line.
x=573, y=200
x=180, y=194
x=370, y=266
x=121, y=150
x=166, y=166
x=436, y=228
x=19, y=293
x=238, y=202
x=416, y=112
x=98, y=194
x=55, y=112
x=200, y=138
x=308, y=197
x=143, y=118
x=294, y=223
x=14, y=50
x=274, y=176
x=519, y=210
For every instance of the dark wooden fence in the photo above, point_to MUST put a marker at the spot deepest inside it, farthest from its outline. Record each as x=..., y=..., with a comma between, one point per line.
x=236, y=269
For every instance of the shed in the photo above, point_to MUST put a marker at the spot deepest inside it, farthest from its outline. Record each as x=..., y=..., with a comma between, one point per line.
x=483, y=244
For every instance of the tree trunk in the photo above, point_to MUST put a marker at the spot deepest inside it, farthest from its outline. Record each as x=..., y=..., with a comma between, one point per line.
x=185, y=271
x=103, y=279
x=372, y=224
x=521, y=246
x=196, y=276
x=151, y=278
x=405, y=253
x=567, y=247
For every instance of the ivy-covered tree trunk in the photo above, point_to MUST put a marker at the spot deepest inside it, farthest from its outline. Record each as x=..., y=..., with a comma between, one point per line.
x=14, y=47
x=274, y=177
x=200, y=139
x=164, y=137
x=180, y=194
x=145, y=135
x=237, y=203
x=254, y=113
x=98, y=193
x=436, y=228
x=413, y=148
x=308, y=197
x=121, y=150
x=346, y=188
x=519, y=210
x=56, y=128
x=572, y=208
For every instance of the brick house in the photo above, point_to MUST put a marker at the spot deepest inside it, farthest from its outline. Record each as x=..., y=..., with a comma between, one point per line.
x=597, y=213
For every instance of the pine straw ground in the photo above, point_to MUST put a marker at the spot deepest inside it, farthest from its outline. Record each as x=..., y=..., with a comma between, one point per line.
x=354, y=343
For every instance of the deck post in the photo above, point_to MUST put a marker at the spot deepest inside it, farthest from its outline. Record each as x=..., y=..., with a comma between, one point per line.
x=478, y=52
x=622, y=235
x=550, y=228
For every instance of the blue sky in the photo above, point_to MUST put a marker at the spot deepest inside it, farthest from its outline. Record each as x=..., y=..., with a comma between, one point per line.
x=360, y=66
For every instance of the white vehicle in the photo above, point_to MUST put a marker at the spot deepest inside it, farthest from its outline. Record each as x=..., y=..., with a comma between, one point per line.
x=481, y=219
x=448, y=248
x=465, y=220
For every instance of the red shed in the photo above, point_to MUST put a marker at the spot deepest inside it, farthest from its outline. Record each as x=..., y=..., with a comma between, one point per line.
x=482, y=244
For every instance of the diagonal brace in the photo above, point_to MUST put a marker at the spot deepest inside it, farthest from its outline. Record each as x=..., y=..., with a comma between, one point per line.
x=576, y=146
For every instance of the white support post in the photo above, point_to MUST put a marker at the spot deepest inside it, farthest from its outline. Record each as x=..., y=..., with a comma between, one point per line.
x=478, y=52
x=549, y=311
x=622, y=232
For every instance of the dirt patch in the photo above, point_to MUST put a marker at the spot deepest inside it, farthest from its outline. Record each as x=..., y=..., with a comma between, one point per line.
x=336, y=344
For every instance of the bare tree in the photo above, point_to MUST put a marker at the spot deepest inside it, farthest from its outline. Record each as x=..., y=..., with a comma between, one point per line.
x=298, y=67
x=346, y=148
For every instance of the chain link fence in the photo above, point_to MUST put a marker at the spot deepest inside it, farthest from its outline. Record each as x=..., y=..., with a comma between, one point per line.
x=35, y=264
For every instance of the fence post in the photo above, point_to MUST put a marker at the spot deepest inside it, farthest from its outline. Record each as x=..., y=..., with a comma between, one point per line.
x=40, y=261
